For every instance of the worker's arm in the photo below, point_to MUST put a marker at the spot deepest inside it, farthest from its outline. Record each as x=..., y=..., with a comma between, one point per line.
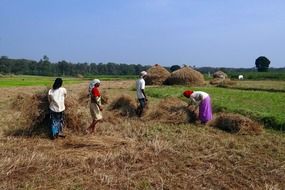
x=144, y=94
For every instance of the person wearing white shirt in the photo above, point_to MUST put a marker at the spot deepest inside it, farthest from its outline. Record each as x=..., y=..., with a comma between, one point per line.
x=140, y=86
x=56, y=97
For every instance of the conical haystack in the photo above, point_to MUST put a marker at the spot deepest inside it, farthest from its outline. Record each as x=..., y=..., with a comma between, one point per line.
x=156, y=75
x=186, y=76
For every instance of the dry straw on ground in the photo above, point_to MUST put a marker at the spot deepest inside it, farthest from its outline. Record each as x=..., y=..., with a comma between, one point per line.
x=173, y=111
x=156, y=75
x=236, y=123
x=124, y=105
x=186, y=76
x=222, y=82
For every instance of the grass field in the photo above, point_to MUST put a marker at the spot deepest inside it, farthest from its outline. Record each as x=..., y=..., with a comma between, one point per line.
x=26, y=80
x=267, y=107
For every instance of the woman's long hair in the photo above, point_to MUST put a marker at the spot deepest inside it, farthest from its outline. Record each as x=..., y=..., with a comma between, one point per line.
x=57, y=83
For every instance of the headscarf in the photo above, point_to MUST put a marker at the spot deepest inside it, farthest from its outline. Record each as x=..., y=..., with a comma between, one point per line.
x=187, y=93
x=143, y=73
x=92, y=84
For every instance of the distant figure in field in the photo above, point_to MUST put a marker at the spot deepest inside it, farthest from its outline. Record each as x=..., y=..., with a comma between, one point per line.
x=240, y=77
x=56, y=97
x=95, y=106
x=140, y=86
x=204, y=101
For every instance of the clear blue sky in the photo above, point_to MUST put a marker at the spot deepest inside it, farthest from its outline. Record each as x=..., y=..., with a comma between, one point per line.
x=217, y=33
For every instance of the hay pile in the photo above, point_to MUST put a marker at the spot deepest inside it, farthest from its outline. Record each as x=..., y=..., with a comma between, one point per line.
x=124, y=105
x=222, y=82
x=34, y=113
x=156, y=75
x=173, y=111
x=186, y=76
x=236, y=123
x=221, y=79
x=220, y=75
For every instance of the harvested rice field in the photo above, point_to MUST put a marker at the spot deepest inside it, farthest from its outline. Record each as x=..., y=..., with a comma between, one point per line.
x=167, y=148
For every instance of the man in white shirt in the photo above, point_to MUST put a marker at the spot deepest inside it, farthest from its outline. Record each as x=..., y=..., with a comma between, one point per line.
x=140, y=86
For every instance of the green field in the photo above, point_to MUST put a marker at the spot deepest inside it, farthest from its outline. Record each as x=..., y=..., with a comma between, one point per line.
x=266, y=107
x=262, y=85
x=26, y=80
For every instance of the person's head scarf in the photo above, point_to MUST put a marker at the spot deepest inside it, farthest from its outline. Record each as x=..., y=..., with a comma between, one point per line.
x=143, y=73
x=187, y=93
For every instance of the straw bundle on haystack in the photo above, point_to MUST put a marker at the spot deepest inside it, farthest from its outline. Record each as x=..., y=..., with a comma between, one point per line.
x=156, y=75
x=172, y=110
x=236, y=123
x=124, y=105
x=186, y=76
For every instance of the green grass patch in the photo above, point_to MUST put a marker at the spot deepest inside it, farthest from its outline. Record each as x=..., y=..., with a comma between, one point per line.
x=266, y=107
x=29, y=80
x=25, y=80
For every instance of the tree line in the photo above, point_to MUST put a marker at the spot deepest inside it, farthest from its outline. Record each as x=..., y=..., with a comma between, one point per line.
x=63, y=68
x=44, y=67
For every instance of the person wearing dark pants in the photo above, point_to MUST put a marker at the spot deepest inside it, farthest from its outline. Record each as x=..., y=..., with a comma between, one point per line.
x=56, y=97
x=140, y=86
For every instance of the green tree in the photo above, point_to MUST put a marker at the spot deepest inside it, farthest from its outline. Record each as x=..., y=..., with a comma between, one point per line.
x=174, y=68
x=262, y=64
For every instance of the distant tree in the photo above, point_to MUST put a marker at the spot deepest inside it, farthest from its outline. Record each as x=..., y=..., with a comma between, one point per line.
x=262, y=64
x=174, y=68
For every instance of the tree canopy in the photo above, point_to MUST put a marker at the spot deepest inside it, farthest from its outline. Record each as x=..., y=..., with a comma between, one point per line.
x=262, y=64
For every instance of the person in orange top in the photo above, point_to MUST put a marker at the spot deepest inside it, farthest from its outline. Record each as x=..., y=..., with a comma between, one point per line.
x=95, y=106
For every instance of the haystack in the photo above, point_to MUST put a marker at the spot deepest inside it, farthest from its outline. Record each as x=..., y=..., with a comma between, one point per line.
x=236, y=123
x=222, y=82
x=220, y=75
x=124, y=105
x=221, y=78
x=34, y=114
x=156, y=75
x=186, y=76
x=172, y=110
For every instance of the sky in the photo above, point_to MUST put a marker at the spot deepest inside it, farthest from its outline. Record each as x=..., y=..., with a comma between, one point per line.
x=215, y=33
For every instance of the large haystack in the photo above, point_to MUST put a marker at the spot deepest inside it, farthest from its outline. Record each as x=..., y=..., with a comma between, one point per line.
x=125, y=105
x=156, y=75
x=172, y=110
x=186, y=76
x=236, y=123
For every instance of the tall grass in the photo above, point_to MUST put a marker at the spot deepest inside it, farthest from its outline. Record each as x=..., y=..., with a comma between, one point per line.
x=266, y=107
